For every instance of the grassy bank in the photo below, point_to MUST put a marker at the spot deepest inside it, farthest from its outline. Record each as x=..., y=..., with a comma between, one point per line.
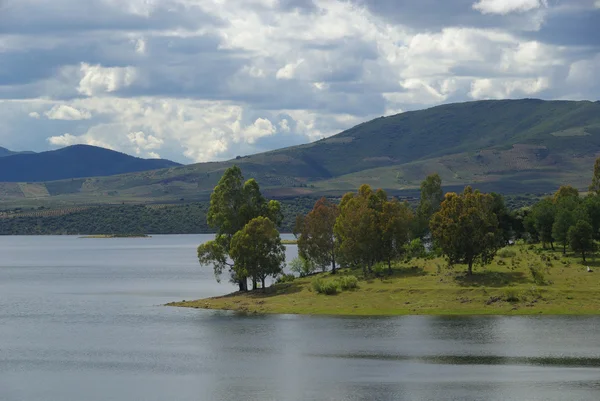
x=506, y=287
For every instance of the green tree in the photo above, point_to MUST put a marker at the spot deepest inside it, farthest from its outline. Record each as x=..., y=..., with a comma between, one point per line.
x=543, y=214
x=595, y=186
x=505, y=219
x=395, y=221
x=256, y=250
x=592, y=207
x=233, y=204
x=565, y=191
x=432, y=197
x=581, y=238
x=318, y=242
x=357, y=229
x=560, y=229
x=466, y=229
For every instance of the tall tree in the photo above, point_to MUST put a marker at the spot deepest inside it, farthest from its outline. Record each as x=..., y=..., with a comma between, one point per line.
x=256, y=250
x=466, y=228
x=564, y=192
x=432, y=197
x=595, y=186
x=395, y=221
x=581, y=238
x=233, y=204
x=543, y=214
x=592, y=207
x=318, y=242
x=357, y=229
x=505, y=219
x=560, y=229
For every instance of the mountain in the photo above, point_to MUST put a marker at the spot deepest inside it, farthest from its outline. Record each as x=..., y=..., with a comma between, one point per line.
x=73, y=162
x=508, y=146
x=5, y=152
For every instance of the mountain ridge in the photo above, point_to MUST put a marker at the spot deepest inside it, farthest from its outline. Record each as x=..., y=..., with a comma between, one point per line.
x=76, y=161
x=510, y=146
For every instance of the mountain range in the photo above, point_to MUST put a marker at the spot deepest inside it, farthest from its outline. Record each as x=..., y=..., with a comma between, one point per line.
x=71, y=162
x=507, y=146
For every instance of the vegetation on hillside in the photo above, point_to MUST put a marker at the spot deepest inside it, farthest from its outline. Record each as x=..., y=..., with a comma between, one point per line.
x=508, y=146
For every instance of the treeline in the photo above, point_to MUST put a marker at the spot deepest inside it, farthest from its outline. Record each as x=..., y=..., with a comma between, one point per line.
x=368, y=228
x=127, y=219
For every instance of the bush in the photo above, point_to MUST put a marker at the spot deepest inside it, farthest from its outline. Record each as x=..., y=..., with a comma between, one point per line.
x=348, y=283
x=537, y=274
x=302, y=267
x=380, y=270
x=506, y=253
x=285, y=278
x=511, y=295
x=327, y=287
x=415, y=249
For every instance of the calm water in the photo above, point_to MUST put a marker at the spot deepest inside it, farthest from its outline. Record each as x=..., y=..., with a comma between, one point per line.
x=81, y=320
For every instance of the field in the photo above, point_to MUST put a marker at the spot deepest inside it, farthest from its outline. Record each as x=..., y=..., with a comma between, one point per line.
x=506, y=287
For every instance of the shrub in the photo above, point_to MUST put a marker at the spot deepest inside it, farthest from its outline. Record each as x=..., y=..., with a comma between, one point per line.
x=285, y=278
x=506, y=253
x=380, y=269
x=537, y=274
x=302, y=266
x=348, y=283
x=511, y=295
x=327, y=287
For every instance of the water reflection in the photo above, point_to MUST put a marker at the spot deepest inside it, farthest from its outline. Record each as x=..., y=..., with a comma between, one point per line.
x=82, y=320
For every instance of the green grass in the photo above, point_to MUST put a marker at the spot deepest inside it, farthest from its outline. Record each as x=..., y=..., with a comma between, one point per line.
x=429, y=287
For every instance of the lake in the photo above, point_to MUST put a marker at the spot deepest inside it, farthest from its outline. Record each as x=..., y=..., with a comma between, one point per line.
x=81, y=319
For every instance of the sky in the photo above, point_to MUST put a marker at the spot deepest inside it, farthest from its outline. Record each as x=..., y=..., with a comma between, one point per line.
x=204, y=80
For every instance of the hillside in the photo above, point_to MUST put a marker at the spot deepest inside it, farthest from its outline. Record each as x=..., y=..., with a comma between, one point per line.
x=73, y=162
x=6, y=152
x=508, y=146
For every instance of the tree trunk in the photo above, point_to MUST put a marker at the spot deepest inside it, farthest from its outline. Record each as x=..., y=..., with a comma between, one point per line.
x=583, y=255
x=390, y=266
x=564, y=249
x=253, y=284
x=333, y=270
x=470, y=271
x=243, y=284
x=552, y=245
x=264, y=288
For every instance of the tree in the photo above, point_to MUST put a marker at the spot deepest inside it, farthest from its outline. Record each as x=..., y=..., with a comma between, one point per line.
x=581, y=238
x=357, y=229
x=592, y=207
x=318, y=242
x=233, y=204
x=543, y=214
x=466, y=228
x=565, y=191
x=432, y=197
x=595, y=186
x=560, y=229
x=395, y=221
x=257, y=251
x=505, y=220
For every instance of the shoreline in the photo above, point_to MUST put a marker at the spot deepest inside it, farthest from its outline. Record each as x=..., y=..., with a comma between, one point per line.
x=428, y=287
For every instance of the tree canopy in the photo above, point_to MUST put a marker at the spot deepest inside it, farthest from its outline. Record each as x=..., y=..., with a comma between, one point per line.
x=466, y=228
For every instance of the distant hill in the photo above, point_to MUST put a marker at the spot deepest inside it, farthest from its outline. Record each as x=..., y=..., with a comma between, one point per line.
x=508, y=146
x=5, y=152
x=73, y=162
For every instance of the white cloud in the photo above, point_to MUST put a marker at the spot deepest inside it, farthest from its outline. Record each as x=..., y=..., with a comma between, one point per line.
x=143, y=142
x=96, y=80
x=65, y=112
x=260, y=128
x=69, y=140
x=34, y=114
x=502, y=88
x=504, y=7
x=289, y=71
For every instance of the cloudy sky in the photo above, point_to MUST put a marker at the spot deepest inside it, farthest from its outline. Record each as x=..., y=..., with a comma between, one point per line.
x=200, y=80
